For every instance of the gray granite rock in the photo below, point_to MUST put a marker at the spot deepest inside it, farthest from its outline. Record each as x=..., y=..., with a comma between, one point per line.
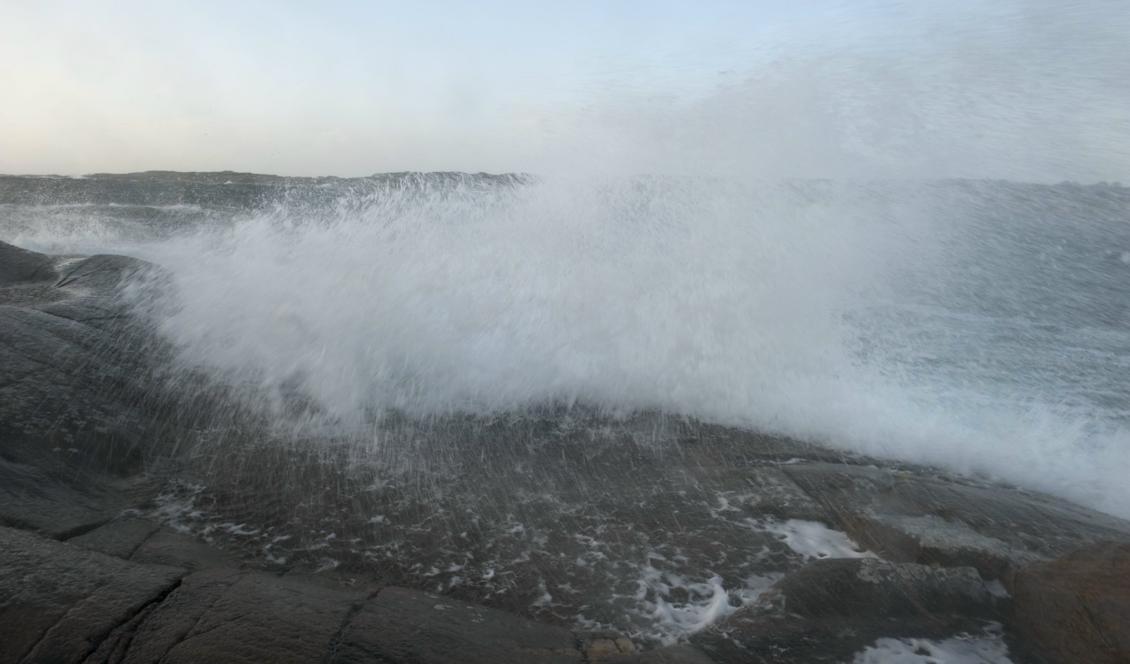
x=676, y=654
x=603, y=646
x=119, y=538
x=59, y=602
x=774, y=493
x=870, y=586
x=1076, y=608
x=20, y=266
x=262, y=617
x=833, y=608
x=402, y=625
x=76, y=416
x=55, y=504
x=168, y=547
x=911, y=516
x=182, y=610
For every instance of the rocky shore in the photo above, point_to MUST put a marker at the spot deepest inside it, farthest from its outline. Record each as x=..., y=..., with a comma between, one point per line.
x=95, y=568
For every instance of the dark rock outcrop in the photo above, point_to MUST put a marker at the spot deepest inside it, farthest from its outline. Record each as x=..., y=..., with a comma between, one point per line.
x=59, y=603
x=262, y=617
x=676, y=654
x=847, y=587
x=407, y=626
x=144, y=541
x=79, y=410
x=120, y=538
x=19, y=266
x=832, y=609
x=912, y=517
x=1076, y=608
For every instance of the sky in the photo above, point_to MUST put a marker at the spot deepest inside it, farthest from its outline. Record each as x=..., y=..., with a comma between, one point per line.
x=1024, y=89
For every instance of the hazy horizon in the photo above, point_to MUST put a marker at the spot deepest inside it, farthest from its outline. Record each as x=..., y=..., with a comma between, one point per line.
x=378, y=174
x=1026, y=90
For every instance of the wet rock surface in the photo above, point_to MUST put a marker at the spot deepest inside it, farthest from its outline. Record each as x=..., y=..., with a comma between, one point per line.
x=1076, y=608
x=871, y=586
x=832, y=609
x=61, y=602
x=74, y=418
x=947, y=521
x=410, y=626
x=64, y=603
x=561, y=535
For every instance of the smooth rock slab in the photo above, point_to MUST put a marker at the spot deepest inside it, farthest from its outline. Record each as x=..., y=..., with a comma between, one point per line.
x=119, y=537
x=59, y=602
x=909, y=516
x=265, y=618
x=167, y=547
x=32, y=498
x=413, y=627
x=774, y=493
x=834, y=608
x=870, y=586
x=172, y=620
x=1077, y=608
x=677, y=654
x=73, y=392
x=21, y=266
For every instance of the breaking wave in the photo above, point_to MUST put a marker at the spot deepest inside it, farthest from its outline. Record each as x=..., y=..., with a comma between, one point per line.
x=940, y=324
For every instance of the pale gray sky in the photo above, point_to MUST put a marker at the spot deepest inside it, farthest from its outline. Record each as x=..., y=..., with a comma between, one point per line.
x=1026, y=89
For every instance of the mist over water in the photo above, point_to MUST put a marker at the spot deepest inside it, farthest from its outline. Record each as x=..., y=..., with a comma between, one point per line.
x=930, y=323
x=635, y=294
